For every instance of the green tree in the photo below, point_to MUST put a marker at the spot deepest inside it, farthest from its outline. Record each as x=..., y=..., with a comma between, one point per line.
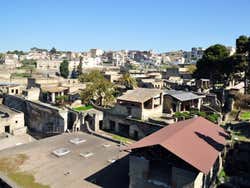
x=91, y=76
x=98, y=89
x=191, y=68
x=64, y=69
x=60, y=100
x=2, y=58
x=242, y=57
x=128, y=81
x=53, y=50
x=79, y=67
x=212, y=63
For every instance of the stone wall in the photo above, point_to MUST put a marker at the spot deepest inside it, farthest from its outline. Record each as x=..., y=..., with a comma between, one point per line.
x=15, y=122
x=142, y=128
x=38, y=116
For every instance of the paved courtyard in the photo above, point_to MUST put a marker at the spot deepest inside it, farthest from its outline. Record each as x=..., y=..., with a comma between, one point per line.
x=74, y=170
x=12, y=141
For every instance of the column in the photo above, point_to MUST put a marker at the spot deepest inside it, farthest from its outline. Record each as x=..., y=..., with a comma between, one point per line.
x=53, y=97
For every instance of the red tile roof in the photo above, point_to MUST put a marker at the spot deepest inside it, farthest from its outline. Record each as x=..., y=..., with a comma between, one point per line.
x=196, y=141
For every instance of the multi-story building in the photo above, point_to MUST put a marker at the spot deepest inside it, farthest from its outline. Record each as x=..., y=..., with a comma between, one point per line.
x=131, y=111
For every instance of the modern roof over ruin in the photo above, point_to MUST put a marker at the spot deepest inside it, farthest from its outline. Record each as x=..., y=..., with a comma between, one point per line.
x=197, y=141
x=140, y=94
x=182, y=95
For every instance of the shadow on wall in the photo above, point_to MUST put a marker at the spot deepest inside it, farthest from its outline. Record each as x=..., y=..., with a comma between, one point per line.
x=113, y=176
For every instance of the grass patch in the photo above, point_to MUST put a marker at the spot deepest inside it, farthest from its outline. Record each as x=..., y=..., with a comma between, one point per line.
x=25, y=180
x=245, y=116
x=10, y=167
x=121, y=139
x=83, y=108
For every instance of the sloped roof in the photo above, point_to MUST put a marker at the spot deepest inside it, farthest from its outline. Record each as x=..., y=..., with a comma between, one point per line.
x=182, y=95
x=140, y=94
x=197, y=141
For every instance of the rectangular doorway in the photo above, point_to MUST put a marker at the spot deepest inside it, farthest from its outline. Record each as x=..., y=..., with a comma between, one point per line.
x=7, y=129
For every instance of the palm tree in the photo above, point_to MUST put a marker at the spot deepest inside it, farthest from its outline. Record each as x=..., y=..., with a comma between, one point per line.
x=128, y=81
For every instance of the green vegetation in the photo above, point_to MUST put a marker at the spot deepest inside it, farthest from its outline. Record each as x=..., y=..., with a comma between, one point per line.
x=28, y=64
x=79, y=67
x=64, y=69
x=10, y=167
x=185, y=115
x=191, y=68
x=239, y=137
x=164, y=66
x=61, y=99
x=98, y=88
x=83, y=108
x=213, y=117
x=222, y=176
x=128, y=81
x=2, y=58
x=211, y=65
x=217, y=65
x=22, y=75
x=245, y=116
x=121, y=139
x=17, y=52
x=53, y=51
x=25, y=180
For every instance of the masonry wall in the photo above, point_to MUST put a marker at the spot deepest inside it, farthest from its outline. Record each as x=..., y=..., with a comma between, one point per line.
x=39, y=117
x=122, y=110
x=143, y=128
x=183, y=178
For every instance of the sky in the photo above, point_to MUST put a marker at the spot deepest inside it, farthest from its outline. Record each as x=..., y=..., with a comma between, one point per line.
x=161, y=25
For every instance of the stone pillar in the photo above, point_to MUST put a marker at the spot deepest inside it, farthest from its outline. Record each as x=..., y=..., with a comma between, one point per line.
x=199, y=104
x=53, y=97
x=178, y=106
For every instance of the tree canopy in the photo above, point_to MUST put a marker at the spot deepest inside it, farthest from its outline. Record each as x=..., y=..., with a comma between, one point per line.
x=2, y=57
x=64, y=69
x=217, y=65
x=128, y=81
x=53, y=50
x=242, y=57
x=98, y=88
x=79, y=67
x=212, y=63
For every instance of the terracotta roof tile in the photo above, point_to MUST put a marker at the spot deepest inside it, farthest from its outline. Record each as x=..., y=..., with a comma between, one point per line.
x=196, y=141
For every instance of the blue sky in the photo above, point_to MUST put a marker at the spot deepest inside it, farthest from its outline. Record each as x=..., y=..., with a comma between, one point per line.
x=162, y=25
